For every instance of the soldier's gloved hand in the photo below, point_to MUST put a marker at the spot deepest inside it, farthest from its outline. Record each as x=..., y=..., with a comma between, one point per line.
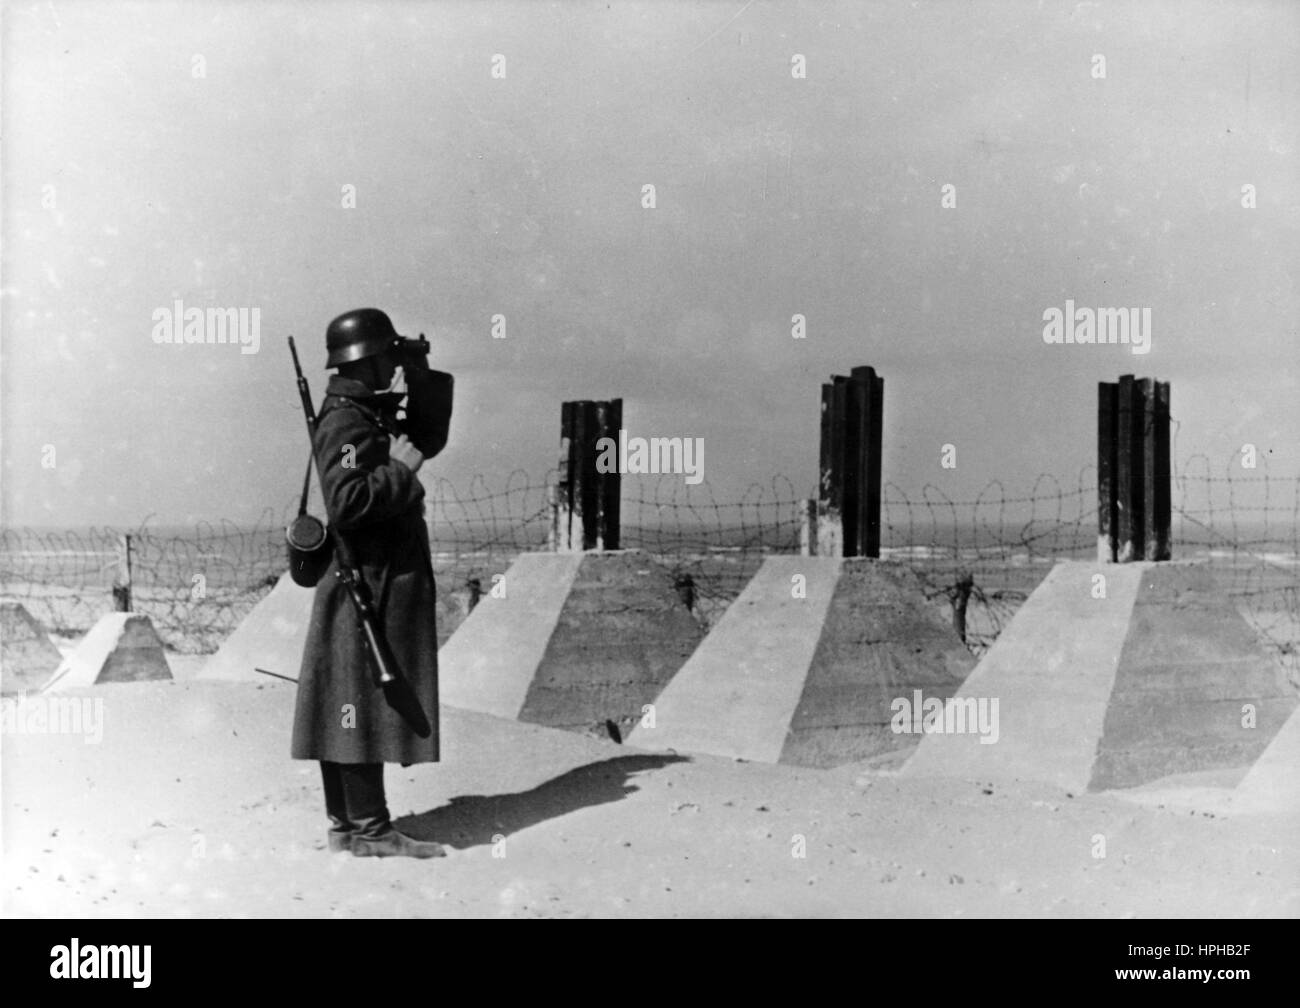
x=401, y=450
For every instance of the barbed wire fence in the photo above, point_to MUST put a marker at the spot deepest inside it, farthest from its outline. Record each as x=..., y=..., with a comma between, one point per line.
x=198, y=584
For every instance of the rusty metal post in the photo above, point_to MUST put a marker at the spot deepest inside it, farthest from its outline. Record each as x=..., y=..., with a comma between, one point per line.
x=848, y=512
x=586, y=502
x=1106, y=449
x=1133, y=470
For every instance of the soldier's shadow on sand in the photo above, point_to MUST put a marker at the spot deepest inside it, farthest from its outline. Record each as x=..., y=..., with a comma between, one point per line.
x=473, y=820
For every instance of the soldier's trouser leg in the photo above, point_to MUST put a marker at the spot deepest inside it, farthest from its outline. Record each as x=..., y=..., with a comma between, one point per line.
x=335, y=802
x=363, y=792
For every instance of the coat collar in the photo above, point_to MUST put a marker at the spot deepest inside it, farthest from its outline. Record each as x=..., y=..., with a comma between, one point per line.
x=350, y=388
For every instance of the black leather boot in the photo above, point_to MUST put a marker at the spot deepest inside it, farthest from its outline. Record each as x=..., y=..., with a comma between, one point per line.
x=339, y=837
x=394, y=843
x=374, y=834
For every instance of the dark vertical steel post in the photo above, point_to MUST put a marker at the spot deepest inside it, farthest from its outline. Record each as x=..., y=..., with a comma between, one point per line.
x=826, y=473
x=831, y=540
x=865, y=467
x=562, y=505
x=609, y=421
x=850, y=468
x=1147, y=392
x=875, y=444
x=1106, y=518
x=1124, y=487
x=586, y=499
x=1140, y=489
x=1163, y=474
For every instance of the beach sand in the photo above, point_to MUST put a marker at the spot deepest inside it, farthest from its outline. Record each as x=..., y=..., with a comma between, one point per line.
x=190, y=806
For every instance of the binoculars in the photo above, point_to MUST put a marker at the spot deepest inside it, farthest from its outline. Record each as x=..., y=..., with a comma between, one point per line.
x=412, y=352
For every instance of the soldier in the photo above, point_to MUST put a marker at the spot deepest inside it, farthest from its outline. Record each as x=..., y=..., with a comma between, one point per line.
x=368, y=465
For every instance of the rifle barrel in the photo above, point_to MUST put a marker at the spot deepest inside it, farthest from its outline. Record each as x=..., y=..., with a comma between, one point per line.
x=276, y=674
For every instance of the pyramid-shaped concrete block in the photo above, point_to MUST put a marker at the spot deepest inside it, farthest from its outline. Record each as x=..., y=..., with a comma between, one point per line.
x=1116, y=675
x=120, y=648
x=570, y=640
x=272, y=637
x=881, y=642
x=27, y=655
x=807, y=665
x=1273, y=783
x=1194, y=689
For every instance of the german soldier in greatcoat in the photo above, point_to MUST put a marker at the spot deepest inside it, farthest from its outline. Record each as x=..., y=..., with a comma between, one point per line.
x=368, y=459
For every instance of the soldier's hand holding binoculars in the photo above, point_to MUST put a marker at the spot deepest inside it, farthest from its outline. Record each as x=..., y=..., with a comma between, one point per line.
x=401, y=450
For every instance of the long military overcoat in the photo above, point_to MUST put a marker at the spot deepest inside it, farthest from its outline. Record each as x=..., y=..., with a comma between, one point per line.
x=341, y=715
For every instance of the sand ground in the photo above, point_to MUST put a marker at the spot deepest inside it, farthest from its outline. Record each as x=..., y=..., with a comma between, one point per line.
x=189, y=806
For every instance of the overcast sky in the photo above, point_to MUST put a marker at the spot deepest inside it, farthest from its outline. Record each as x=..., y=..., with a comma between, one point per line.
x=199, y=151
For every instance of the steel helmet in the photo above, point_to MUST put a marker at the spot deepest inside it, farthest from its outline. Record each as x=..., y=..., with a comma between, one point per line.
x=357, y=334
